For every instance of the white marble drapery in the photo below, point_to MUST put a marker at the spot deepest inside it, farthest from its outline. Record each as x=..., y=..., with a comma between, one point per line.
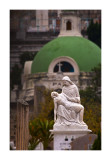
x=68, y=109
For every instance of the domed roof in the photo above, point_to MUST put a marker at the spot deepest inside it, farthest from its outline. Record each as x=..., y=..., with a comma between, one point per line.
x=84, y=52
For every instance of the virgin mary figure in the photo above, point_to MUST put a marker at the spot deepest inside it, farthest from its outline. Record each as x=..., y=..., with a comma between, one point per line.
x=67, y=107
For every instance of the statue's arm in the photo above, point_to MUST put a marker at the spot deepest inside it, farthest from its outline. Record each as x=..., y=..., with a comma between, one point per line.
x=77, y=95
x=55, y=110
x=77, y=92
x=74, y=99
x=54, y=95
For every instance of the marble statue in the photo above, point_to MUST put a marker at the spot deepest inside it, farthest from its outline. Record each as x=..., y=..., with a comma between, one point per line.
x=68, y=111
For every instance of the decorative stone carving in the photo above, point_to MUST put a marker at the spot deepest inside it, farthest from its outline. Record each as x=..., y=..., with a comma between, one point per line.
x=68, y=112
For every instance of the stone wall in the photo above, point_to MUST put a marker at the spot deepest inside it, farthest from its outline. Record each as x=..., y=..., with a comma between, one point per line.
x=31, y=43
x=84, y=143
x=34, y=41
x=85, y=79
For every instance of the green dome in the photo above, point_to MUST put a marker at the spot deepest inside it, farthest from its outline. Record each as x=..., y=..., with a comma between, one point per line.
x=84, y=52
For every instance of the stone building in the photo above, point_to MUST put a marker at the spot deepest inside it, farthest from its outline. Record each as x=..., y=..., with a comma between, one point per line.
x=84, y=143
x=30, y=30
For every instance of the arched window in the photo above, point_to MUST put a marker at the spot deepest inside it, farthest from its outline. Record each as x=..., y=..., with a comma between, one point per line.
x=64, y=64
x=68, y=25
x=63, y=67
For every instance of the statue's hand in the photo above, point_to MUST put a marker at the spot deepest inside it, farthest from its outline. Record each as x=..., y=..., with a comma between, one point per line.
x=54, y=119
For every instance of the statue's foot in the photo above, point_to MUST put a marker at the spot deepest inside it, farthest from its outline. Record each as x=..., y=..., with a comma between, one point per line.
x=82, y=123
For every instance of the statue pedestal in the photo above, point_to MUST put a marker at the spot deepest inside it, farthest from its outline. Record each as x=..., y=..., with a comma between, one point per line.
x=63, y=138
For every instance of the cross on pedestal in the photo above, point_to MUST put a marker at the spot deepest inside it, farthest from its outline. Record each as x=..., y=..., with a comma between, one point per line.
x=59, y=65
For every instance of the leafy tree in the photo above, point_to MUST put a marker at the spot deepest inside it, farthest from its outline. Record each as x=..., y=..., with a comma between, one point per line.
x=91, y=101
x=35, y=134
x=88, y=94
x=40, y=132
x=92, y=92
x=96, y=81
x=15, y=76
x=26, y=56
x=92, y=114
x=94, y=33
x=46, y=136
x=39, y=127
x=47, y=106
x=97, y=142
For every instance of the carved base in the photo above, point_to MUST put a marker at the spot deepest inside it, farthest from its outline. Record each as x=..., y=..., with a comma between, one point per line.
x=63, y=138
x=65, y=134
x=74, y=126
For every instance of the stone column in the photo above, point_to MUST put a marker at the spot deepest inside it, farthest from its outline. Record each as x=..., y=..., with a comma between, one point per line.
x=22, y=130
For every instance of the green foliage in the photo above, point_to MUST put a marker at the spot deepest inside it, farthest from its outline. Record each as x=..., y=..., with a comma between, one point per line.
x=39, y=127
x=94, y=33
x=89, y=94
x=92, y=114
x=97, y=142
x=15, y=76
x=26, y=56
x=92, y=102
x=96, y=81
x=35, y=134
x=47, y=106
x=92, y=109
x=39, y=131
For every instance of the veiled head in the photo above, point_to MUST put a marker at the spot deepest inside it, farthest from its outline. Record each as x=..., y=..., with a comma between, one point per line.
x=66, y=81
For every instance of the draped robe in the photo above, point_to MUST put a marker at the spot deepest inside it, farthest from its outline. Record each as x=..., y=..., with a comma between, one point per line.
x=68, y=106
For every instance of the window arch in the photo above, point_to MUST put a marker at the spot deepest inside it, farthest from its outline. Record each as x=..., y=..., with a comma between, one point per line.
x=73, y=66
x=63, y=66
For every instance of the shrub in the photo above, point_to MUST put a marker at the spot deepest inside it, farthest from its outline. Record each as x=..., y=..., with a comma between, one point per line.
x=40, y=132
x=97, y=142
